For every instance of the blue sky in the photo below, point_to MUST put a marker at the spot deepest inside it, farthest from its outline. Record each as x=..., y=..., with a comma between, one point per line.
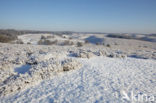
x=134, y=16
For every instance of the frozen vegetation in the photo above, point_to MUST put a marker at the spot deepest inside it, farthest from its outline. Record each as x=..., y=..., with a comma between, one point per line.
x=79, y=68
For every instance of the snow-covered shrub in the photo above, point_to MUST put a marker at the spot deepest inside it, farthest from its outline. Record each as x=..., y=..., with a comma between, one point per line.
x=84, y=54
x=50, y=36
x=19, y=41
x=70, y=38
x=64, y=36
x=68, y=42
x=5, y=71
x=28, y=43
x=110, y=54
x=39, y=42
x=43, y=70
x=86, y=41
x=46, y=42
x=108, y=45
x=97, y=43
x=115, y=43
x=79, y=44
x=43, y=37
x=100, y=53
x=116, y=55
x=70, y=64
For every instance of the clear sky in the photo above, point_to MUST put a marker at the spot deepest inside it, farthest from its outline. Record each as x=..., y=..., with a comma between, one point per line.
x=134, y=16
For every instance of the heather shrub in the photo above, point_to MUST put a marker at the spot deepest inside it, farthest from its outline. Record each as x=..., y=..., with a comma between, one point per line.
x=79, y=44
x=46, y=42
x=68, y=42
x=19, y=41
x=43, y=37
x=6, y=39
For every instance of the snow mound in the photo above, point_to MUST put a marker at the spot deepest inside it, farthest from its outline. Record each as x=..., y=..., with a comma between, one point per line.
x=36, y=73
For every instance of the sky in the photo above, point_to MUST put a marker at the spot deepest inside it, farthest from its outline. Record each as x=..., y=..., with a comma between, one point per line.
x=113, y=16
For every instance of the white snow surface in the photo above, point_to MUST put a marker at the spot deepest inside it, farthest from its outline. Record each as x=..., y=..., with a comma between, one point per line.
x=99, y=80
x=34, y=38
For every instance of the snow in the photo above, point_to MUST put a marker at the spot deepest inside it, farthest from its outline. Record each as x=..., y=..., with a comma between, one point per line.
x=94, y=40
x=100, y=80
x=91, y=73
x=32, y=38
x=133, y=48
x=23, y=69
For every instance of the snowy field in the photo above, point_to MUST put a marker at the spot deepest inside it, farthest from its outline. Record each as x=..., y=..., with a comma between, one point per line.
x=101, y=79
x=124, y=72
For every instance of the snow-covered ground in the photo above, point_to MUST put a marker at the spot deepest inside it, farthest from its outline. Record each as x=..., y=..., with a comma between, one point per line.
x=31, y=38
x=133, y=48
x=100, y=80
x=34, y=38
x=123, y=72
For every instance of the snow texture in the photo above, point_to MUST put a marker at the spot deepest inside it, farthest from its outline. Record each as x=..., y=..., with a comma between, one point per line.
x=100, y=80
x=91, y=73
